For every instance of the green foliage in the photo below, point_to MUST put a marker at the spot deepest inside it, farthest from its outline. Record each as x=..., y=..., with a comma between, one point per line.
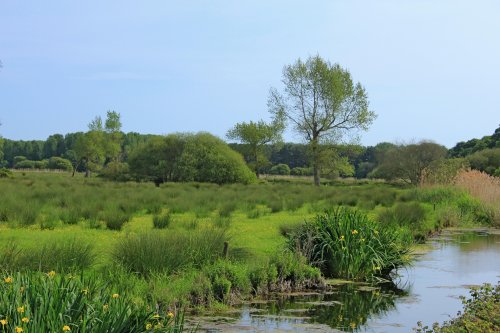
x=114, y=219
x=5, y=173
x=298, y=171
x=66, y=256
x=117, y=171
x=481, y=314
x=344, y=243
x=168, y=252
x=37, y=302
x=329, y=103
x=162, y=221
x=280, y=169
x=464, y=149
x=198, y=157
x=227, y=278
x=411, y=215
x=60, y=163
x=25, y=164
x=255, y=135
x=409, y=162
x=486, y=160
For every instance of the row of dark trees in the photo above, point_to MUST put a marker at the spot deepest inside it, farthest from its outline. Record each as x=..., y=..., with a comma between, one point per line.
x=385, y=160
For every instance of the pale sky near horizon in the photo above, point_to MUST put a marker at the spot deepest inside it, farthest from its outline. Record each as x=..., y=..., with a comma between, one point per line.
x=431, y=68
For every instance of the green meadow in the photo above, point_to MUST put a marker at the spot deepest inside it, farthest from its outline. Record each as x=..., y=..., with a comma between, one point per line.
x=163, y=247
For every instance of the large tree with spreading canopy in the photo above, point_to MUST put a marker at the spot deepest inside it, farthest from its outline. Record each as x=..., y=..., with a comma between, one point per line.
x=323, y=104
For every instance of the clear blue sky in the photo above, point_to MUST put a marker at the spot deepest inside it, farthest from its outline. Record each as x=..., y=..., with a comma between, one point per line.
x=431, y=68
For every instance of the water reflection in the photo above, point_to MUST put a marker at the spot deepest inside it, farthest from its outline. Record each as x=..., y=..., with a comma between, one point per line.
x=427, y=291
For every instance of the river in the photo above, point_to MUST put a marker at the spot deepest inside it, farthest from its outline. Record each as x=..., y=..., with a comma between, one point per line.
x=429, y=291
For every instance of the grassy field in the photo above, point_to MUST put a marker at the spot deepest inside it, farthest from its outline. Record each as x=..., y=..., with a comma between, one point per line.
x=164, y=245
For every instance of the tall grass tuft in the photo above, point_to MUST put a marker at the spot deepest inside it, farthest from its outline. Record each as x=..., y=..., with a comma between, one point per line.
x=484, y=187
x=167, y=252
x=411, y=215
x=344, y=243
x=162, y=221
x=115, y=219
x=66, y=256
x=39, y=302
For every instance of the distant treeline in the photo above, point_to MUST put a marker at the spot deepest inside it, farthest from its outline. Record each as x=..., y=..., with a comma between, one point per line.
x=57, y=145
x=285, y=158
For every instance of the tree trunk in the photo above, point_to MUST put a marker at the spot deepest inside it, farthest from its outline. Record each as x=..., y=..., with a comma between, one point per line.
x=315, y=158
x=256, y=163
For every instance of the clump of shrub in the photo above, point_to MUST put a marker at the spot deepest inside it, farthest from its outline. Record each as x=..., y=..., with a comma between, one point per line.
x=280, y=169
x=344, y=243
x=227, y=279
x=162, y=221
x=5, y=173
x=298, y=171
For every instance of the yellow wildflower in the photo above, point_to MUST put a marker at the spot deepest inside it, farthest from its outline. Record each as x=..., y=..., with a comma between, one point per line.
x=20, y=309
x=105, y=307
x=342, y=237
x=170, y=314
x=115, y=296
x=25, y=320
x=51, y=274
x=85, y=291
x=149, y=326
x=3, y=322
x=8, y=279
x=353, y=325
x=354, y=232
x=66, y=328
x=156, y=316
x=19, y=329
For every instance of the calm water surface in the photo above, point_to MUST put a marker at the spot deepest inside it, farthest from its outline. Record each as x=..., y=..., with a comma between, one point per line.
x=427, y=291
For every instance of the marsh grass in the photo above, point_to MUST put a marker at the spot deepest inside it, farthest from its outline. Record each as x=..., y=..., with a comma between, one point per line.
x=344, y=243
x=167, y=252
x=485, y=188
x=40, y=302
x=162, y=221
x=65, y=256
x=411, y=215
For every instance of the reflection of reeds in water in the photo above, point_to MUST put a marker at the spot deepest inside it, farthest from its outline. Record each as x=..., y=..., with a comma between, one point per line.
x=348, y=308
x=482, y=186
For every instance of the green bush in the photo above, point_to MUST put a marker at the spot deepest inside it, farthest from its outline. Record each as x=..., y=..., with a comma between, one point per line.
x=198, y=157
x=59, y=163
x=5, y=173
x=344, y=243
x=25, y=164
x=280, y=169
x=298, y=171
